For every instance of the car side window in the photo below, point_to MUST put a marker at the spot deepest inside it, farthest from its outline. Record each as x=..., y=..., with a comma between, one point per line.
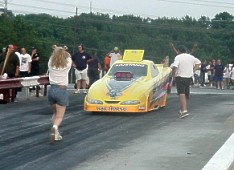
x=154, y=70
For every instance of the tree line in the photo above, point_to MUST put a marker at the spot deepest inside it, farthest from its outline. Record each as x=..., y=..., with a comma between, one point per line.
x=102, y=32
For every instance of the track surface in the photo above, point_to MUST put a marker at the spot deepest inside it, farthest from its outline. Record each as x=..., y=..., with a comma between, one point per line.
x=157, y=140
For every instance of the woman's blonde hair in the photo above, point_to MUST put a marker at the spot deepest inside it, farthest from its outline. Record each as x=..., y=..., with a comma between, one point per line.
x=59, y=58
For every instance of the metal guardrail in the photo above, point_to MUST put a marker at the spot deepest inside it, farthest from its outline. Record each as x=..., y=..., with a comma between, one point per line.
x=8, y=87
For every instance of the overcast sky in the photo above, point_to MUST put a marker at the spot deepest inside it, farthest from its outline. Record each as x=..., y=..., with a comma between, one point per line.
x=144, y=8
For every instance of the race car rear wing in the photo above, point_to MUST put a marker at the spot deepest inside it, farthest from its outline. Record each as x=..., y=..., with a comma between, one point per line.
x=133, y=55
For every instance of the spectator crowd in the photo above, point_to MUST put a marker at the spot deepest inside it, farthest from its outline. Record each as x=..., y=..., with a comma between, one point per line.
x=15, y=62
x=19, y=64
x=88, y=68
x=211, y=74
x=214, y=74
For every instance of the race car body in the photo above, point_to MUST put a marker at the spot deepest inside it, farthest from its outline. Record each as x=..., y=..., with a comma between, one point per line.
x=131, y=85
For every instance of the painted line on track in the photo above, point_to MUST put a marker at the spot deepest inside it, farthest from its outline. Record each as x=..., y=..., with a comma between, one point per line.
x=207, y=93
x=223, y=159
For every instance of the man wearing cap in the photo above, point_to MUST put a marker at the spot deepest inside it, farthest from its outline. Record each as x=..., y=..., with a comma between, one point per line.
x=182, y=70
x=80, y=61
x=114, y=55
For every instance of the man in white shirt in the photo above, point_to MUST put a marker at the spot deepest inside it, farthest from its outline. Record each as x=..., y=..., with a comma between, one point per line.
x=114, y=55
x=25, y=67
x=182, y=71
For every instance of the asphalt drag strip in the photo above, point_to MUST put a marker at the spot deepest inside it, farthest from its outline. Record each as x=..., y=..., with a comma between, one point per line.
x=156, y=140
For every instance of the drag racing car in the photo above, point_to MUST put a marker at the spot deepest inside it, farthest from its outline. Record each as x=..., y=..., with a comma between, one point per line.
x=131, y=85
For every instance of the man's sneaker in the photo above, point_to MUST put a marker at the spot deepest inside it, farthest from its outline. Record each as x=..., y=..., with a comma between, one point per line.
x=183, y=114
x=77, y=91
x=52, y=135
x=57, y=135
x=85, y=91
x=180, y=112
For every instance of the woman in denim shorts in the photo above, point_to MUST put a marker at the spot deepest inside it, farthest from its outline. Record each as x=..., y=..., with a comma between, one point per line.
x=59, y=65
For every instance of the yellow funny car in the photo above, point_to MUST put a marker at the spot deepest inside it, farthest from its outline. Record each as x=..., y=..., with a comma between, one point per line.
x=131, y=85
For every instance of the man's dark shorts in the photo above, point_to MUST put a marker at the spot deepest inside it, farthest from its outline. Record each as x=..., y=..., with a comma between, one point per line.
x=182, y=85
x=219, y=78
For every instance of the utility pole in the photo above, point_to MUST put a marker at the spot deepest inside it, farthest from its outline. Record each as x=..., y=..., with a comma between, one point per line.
x=75, y=30
x=90, y=10
x=74, y=43
x=5, y=6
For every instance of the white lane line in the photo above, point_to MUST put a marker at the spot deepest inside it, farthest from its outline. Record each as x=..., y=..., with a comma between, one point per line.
x=223, y=158
x=208, y=92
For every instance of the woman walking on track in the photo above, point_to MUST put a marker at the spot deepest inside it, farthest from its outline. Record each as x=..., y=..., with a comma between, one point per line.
x=59, y=65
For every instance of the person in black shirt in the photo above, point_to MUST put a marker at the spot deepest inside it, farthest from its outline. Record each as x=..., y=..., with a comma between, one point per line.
x=9, y=64
x=218, y=71
x=202, y=73
x=35, y=69
x=94, y=69
x=35, y=62
x=80, y=61
x=12, y=64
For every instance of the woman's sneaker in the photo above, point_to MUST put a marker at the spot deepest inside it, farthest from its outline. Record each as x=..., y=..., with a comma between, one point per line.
x=52, y=135
x=57, y=135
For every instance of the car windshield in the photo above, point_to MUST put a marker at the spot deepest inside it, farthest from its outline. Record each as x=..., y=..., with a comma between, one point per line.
x=137, y=70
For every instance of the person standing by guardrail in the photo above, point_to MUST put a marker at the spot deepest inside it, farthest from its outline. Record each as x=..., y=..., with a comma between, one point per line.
x=94, y=68
x=80, y=63
x=25, y=68
x=59, y=65
x=35, y=69
x=9, y=65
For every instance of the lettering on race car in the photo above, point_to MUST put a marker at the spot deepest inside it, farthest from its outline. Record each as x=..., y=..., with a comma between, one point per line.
x=130, y=64
x=101, y=108
x=121, y=109
x=112, y=109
